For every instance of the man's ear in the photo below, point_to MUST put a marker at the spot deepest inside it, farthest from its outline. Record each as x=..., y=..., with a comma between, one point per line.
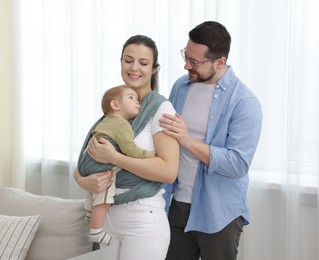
x=114, y=105
x=221, y=62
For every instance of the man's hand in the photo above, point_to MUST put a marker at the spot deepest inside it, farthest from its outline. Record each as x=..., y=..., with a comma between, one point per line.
x=176, y=128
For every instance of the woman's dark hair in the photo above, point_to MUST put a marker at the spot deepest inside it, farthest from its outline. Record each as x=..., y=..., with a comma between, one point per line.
x=148, y=42
x=215, y=36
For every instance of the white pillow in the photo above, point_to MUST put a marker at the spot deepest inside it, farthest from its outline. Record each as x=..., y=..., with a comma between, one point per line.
x=16, y=235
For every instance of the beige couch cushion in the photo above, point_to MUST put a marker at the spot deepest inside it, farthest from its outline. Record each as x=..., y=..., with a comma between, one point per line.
x=62, y=232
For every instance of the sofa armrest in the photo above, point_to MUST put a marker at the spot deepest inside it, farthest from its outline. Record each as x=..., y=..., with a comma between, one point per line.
x=62, y=232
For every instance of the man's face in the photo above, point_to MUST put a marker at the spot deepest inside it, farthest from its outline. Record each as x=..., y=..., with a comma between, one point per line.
x=200, y=68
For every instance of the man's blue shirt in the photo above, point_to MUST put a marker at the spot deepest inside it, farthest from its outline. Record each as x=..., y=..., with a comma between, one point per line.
x=234, y=126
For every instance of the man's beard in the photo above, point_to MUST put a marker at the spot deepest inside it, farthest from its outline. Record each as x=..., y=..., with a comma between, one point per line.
x=201, y=78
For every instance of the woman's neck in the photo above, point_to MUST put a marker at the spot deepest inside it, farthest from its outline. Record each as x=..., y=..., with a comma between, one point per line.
x=142, y=93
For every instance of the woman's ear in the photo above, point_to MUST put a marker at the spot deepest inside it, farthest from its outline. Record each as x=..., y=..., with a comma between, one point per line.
x=114, y=104
x=156, y=69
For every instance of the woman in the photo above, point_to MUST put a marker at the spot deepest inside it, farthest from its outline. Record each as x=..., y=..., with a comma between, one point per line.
x=137, y=222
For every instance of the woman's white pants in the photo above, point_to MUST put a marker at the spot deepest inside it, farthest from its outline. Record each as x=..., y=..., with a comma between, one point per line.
x=139, y=230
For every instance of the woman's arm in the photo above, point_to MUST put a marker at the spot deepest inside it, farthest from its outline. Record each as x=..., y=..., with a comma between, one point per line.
x=95, y=183
x=162, y=168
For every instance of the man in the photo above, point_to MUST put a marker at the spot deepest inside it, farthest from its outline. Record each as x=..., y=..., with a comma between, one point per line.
x=218, y=127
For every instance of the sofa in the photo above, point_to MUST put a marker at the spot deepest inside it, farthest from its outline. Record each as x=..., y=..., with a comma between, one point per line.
x=36, y=227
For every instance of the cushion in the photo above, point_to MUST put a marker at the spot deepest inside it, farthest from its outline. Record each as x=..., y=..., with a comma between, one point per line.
x=16, y=235
x=62, y=232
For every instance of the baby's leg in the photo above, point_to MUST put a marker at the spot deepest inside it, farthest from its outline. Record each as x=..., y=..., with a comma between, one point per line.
x=97, y=234
x=98, y=215
x=101, y=205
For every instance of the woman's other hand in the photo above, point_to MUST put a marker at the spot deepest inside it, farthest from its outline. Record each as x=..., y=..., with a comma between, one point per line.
x=95, y=183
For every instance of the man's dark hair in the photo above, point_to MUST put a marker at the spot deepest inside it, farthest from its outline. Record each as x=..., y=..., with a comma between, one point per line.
x=215, y=36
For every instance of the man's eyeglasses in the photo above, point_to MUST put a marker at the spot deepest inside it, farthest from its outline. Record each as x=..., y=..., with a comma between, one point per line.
x=194, y=63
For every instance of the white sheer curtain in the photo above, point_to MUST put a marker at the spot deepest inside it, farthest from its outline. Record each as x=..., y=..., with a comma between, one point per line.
x=66, y=53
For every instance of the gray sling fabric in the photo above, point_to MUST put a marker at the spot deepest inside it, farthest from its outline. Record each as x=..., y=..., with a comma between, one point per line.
x=138, y=187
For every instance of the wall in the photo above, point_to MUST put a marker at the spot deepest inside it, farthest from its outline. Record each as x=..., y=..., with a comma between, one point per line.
x=5, y=93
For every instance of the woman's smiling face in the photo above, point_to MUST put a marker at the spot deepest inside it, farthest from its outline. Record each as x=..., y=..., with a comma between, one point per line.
x=137, y=68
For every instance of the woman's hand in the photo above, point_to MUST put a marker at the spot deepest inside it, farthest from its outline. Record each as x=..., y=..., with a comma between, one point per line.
x=101, y=150
x=95, y=183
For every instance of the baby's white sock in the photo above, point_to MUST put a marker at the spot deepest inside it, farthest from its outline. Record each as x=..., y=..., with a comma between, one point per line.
x=100, y=236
